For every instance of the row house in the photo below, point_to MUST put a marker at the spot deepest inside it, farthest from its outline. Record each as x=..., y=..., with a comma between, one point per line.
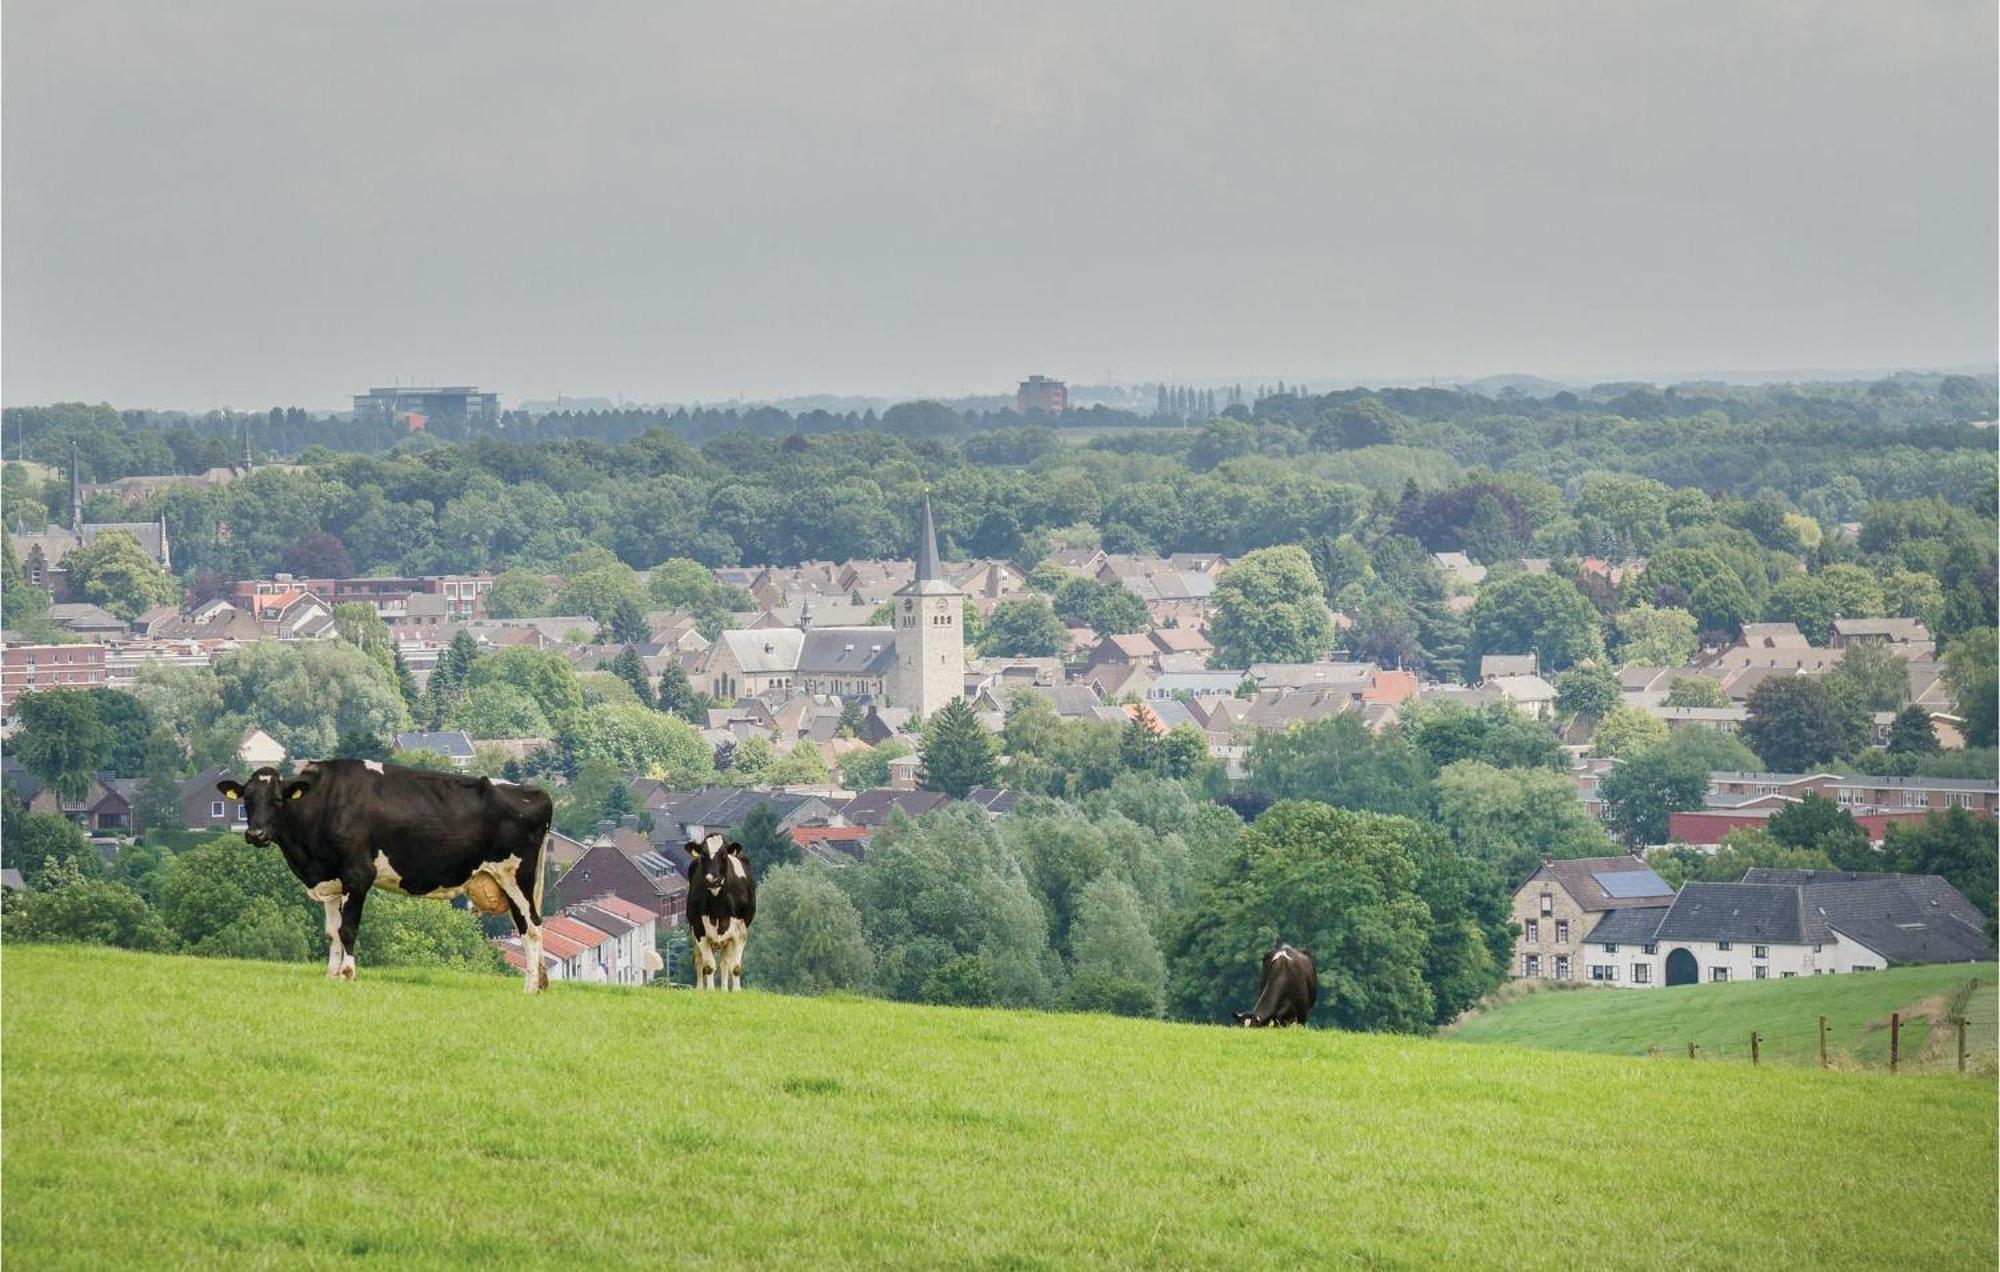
x=25, y=668
x=1858, y=795
x=602, y=941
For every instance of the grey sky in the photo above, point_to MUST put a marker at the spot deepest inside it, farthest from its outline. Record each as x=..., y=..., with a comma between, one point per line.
x=259, y=203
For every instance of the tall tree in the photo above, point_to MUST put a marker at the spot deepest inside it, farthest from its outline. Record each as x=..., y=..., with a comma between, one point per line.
x=62, y=740
x=765, y=843
x=115, y=572
x=1912, y=733
x=631, y=668
x=1797, y=724
x=958, y=752
x=1270, y=607
x=1541, y=614
x=1340, y=884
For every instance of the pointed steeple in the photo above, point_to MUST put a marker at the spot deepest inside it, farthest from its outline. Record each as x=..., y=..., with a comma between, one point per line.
x=927, y=553
x=76, y=494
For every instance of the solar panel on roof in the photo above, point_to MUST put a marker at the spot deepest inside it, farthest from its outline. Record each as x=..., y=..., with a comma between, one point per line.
x=1632, y=883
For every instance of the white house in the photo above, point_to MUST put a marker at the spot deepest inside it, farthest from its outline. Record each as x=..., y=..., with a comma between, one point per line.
x=1778, y=924
x=258, y=749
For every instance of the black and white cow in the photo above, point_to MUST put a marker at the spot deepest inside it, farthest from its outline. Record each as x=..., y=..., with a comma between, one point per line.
x=1287, y=991
x=722, y=900
x=346, y=826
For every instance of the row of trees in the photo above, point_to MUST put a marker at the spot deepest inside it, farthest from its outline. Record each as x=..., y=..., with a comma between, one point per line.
x=1142, y=900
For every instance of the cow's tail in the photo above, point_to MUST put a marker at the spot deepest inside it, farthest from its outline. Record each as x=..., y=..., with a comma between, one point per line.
x=541, y=872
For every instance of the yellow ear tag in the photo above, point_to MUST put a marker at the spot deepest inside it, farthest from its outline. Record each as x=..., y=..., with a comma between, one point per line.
x=298, y=794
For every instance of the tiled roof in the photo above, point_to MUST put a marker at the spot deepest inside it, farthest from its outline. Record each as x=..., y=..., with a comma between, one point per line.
x=1582, y=878
x=872, y=808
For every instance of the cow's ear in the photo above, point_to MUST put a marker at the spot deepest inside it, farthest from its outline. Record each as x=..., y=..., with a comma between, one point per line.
x=230, y=790
x=693, y=848
x=736, y=849
x=297, y=790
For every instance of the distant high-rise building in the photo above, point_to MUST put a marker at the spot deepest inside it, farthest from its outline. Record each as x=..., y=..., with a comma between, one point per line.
x=1040, y=394
x=444, y=407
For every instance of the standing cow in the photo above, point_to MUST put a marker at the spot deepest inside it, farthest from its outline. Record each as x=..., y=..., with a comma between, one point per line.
x=346, y=826
x=722, y=900
x=1287, y=991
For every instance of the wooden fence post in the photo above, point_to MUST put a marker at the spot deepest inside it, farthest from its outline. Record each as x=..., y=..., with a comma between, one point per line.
x=1753, y=1046
x=1691, y=1050
x=1960, y=1022
x=1895, y=1039
x=1822, y=1042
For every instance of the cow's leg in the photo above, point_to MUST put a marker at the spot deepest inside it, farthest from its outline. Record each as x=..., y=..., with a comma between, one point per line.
x=733, y=955
x=350, y=926
x=529, y=920
x=704, y=964
x=329, y=895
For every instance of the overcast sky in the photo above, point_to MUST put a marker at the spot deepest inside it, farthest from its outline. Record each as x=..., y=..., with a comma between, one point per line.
x=256, y=203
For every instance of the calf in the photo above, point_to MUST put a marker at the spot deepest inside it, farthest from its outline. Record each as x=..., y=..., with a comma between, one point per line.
x=722, y=900
x=347, y=826
x=1287, y=992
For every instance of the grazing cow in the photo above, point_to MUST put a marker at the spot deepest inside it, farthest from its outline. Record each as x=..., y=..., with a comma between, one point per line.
x=1287, y=992
x=722, y=900
x=346, y=826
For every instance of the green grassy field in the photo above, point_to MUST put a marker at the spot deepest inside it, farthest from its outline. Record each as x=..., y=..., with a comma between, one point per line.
x=164, y=1111
x=1785, y=1012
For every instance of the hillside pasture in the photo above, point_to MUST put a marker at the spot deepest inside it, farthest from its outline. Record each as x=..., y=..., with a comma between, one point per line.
x=173, y=1111
x=1785, y=1014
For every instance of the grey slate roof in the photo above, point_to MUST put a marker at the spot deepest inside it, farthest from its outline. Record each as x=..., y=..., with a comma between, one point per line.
x=1768, y=914
x=1904, y=918
x=1634, y=926
x=454, y=743
x=848, y=651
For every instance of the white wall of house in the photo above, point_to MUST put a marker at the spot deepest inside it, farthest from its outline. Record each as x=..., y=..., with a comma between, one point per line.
x=1622, y=966
x=1743, y=959
x=1632, y=967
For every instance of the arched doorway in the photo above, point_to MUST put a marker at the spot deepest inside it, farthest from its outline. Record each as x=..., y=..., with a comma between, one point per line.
x=1681, y=968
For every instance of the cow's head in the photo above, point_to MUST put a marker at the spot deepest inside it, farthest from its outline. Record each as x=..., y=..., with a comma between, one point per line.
x=264, y=798
x=711, y=862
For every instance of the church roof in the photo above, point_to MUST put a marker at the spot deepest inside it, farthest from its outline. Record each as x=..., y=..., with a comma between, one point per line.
x=929, y=580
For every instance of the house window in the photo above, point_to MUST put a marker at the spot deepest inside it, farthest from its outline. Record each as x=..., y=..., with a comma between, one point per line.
x=1548, y=904
x=1718, y=973
x=1788, y=975
x=1642, y=974
x=1531, y=930
x=1760, y=973
x=215, y=809
x=1610, y=947
x=1722, y=945
x=1562, y=967
x=1816, y=946
x=1531, y=965
x=1649, y=948
x=1760, y=951
x=1562, y=931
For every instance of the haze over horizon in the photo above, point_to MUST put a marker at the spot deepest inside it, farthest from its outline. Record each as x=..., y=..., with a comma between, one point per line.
x=226, y=202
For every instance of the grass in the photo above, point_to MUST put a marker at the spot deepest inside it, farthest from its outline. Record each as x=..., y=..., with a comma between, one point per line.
x=167, y=1111
x=1784, y=1012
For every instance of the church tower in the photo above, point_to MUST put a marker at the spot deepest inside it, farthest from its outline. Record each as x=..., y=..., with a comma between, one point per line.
x=930, y=632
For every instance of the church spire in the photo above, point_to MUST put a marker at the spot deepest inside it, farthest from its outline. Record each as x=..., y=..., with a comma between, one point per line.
x=76, y=494
x=927, y=553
